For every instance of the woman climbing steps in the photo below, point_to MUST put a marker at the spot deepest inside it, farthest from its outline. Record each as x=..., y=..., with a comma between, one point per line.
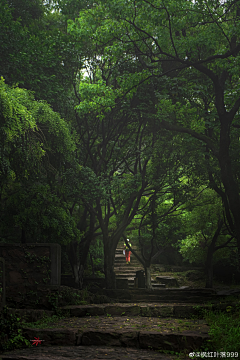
x=127, y=252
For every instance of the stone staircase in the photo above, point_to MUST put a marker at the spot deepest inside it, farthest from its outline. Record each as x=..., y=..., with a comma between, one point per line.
x=131, y=323
x=125, y=271
x=142, y=327
x=113, y=331
x=141, y=324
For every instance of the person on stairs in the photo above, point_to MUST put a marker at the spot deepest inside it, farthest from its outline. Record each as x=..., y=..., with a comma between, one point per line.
x=127, y=252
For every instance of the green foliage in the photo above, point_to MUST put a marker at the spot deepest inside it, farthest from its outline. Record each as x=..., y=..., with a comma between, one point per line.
x=23, y=142
x=95, y=98
x=36, y=51
x=11, y=332
x=34, y=140
x=191, y=250
x=44, y=322
x=200, y=224
x=224, y=331
x=152, y=68
x=97, y=252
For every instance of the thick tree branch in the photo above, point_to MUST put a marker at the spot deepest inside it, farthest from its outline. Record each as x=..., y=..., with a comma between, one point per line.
x=193, y=133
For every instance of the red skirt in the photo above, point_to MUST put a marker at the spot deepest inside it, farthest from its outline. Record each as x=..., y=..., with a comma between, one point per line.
x=127, y=254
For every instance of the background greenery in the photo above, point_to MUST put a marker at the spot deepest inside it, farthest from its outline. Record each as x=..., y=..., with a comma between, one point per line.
x=121, y=119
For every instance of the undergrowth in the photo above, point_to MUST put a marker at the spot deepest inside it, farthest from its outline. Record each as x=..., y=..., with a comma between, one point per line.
x=224, y=330
x=11, y=332
x=44, y=322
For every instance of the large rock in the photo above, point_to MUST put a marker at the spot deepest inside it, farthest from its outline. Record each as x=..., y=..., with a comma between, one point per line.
x=169, y=281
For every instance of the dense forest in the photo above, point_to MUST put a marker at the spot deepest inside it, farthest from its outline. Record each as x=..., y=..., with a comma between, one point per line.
x=120, y=119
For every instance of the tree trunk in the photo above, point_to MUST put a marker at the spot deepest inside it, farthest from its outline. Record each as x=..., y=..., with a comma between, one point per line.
x=148, y=283
x=80, y=277
x=109, y=256
x=209, y=261
x=229, y=183
x=209, y=267
x=77, y=254
x=72, y=251
x=23, y=237
x=93, y=270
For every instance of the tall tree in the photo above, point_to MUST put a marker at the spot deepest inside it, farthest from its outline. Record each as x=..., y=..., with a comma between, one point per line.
x=37, y=53
x=208, y=238
x=36, y=145
x=193, y=46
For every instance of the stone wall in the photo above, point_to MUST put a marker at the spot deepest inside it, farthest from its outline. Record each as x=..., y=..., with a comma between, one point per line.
x=28, y=266
x=2, y=283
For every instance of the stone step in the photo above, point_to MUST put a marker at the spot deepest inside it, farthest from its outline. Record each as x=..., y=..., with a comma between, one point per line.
x=126, y=267
x=131, y=278
x=144, y=309
x=165, y=300
x=132, y=272
x=120, y=253
x=126, y=275
x=154, y=286
x=120, y=250
x=154, y=310
x=86, y=352
x=182, y=295
x=128, y=270
x=123, y=264
x=183, y=290
x=121, y=258
x=129, y=283
x=132, y=275
x=133, y=332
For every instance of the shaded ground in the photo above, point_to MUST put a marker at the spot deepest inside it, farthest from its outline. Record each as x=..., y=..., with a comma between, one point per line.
x=86, y=352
